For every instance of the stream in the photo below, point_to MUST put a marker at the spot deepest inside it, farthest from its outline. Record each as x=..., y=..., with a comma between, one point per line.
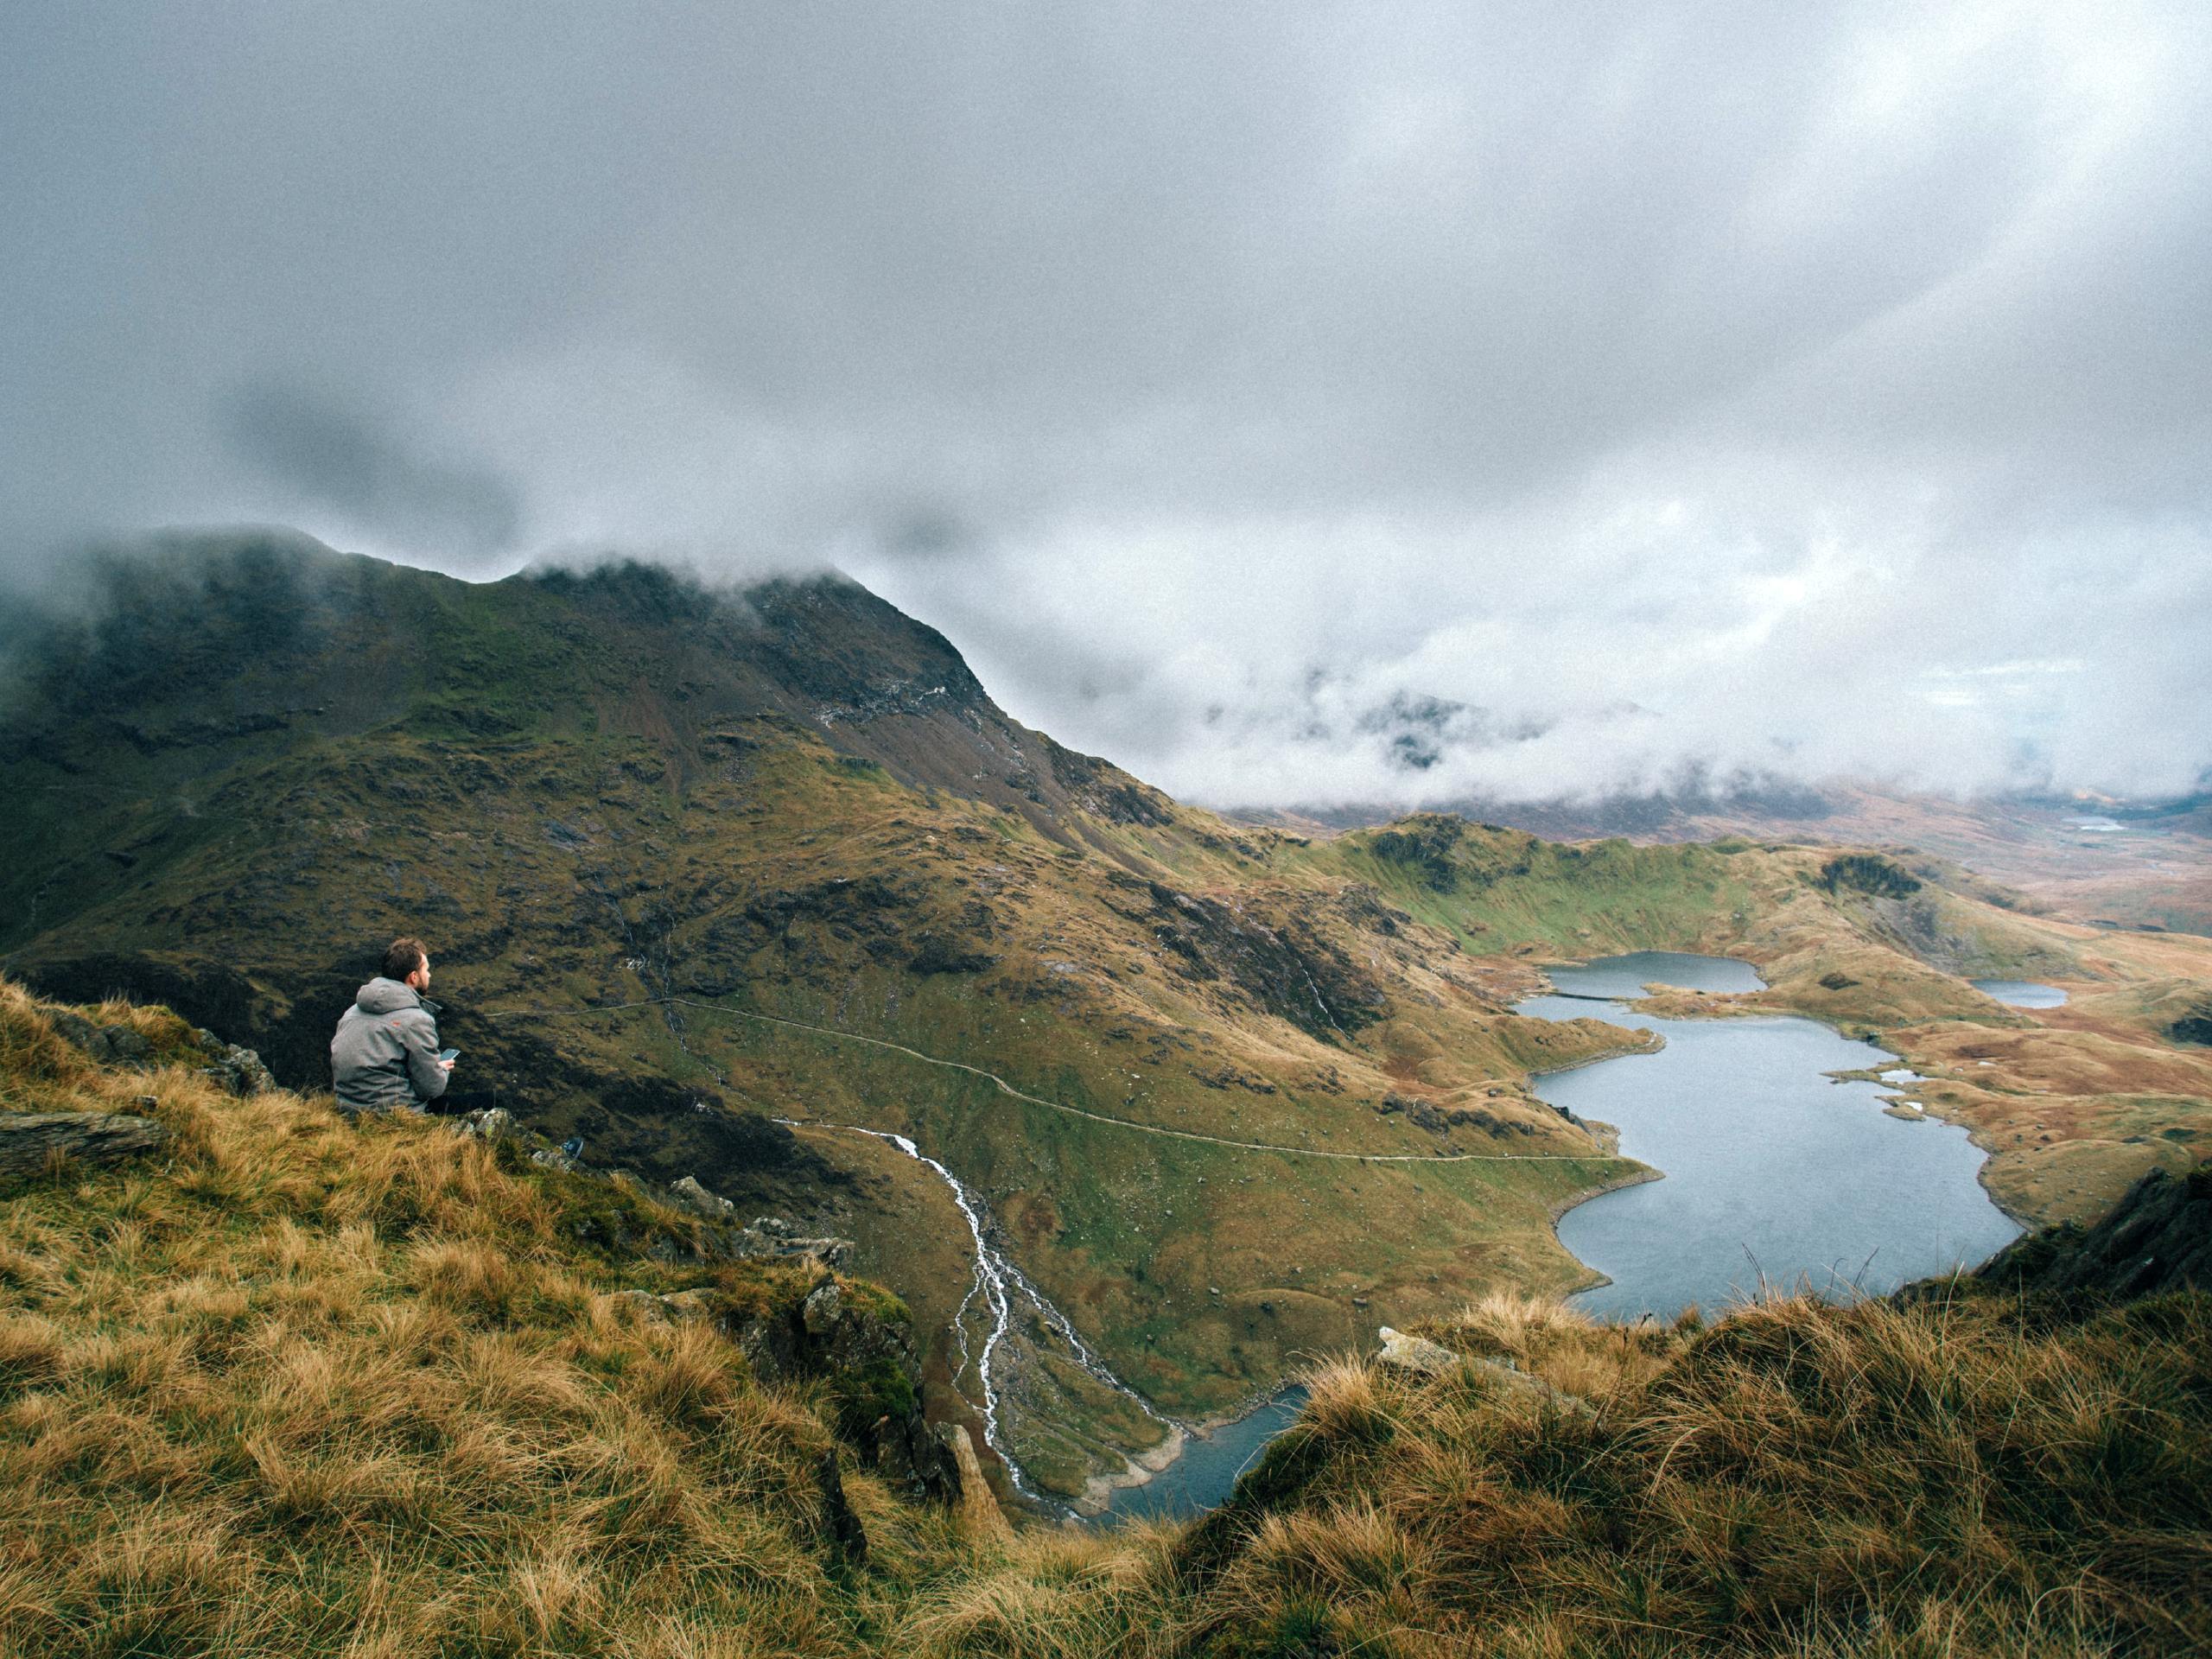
x=998, y=1296
x=1776, y=1176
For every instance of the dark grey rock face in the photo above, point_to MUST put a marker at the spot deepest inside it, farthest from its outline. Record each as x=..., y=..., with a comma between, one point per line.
x=32, y=1143
x=109, y=1045
x=2159, y=1237
x=875, y=1376
x=839, y=1525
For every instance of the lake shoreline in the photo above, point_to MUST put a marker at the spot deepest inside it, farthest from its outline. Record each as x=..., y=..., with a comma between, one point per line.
x=1094, y=1508
x=1139, y=1469
x=1724, y=1120
x=1847, y=1028
x=1596, y=1278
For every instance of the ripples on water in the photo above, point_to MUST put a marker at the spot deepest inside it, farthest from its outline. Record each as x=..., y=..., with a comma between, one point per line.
x=1774, y=1172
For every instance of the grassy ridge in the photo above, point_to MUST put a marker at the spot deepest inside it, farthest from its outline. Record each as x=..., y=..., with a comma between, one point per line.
x=1500, y=890
x=605, y=790
x=310, y=1387
x=1960, y=1477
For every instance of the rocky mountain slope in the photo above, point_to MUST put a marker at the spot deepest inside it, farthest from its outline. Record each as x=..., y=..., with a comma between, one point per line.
x=1135, y=1105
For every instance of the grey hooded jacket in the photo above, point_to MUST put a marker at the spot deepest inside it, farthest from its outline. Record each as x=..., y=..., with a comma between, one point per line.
x=385, y=1054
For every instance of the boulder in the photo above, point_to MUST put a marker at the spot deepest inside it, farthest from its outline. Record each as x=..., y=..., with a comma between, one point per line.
x=235, y=1069
x=979, y=1514
x=822, y=1310
x=1418, y=1355
x=688, y=1193
x=30, y=1142
x=109, y=1045
x=495, y=1123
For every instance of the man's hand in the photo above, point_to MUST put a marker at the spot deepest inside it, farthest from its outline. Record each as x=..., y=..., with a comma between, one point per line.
x=446, y=1065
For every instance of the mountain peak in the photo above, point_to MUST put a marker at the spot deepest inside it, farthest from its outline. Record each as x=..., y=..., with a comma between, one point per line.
x=193, y=640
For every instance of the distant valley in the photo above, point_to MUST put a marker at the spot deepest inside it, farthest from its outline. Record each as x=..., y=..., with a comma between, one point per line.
x=2105, y=862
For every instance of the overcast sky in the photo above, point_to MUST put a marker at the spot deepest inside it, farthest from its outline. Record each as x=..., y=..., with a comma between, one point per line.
x=1299, y=403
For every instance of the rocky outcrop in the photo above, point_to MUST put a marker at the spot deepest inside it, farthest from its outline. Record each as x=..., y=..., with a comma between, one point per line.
x=1286, y=966
x=767, y=1239
x=494, y=1124
x=840, y=1526
x=857, y=1339
x=2158, y=1238
x=108, y=1044
x=1418, y=1356
x=32, y=1143
x=700, y=1202
x=238, y=1070
x=1442, y=1120
x=979, y=1514
x=772, y=1237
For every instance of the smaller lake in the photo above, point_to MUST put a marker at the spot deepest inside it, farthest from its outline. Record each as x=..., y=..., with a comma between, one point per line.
x=2020, y=993
x=1206, y=1472
x=1773, y=1171
x=1620, y=979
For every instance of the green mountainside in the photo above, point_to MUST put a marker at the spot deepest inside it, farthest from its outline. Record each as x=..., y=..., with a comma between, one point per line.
x=735, y=885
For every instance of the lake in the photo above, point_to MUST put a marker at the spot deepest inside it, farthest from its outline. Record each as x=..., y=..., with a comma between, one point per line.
x=1771, y=1168
x=2020, y=993
x=1774, y=1172
x=1207, y=1470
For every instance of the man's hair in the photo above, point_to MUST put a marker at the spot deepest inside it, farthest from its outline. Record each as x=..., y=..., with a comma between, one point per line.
x=402, y=957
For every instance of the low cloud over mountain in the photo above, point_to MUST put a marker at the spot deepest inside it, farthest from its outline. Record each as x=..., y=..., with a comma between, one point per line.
x=1348, y=404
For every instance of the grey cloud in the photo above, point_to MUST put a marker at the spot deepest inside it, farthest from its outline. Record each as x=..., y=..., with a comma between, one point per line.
x=365, y=471
x=1776, y=370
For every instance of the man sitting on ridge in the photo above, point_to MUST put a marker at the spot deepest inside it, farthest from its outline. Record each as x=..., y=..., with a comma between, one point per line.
x=386, y=1057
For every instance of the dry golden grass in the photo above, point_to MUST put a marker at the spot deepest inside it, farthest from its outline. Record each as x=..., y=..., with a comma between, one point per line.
x=307, y=1386
x=1549, y=1339
x=1062, y=1594
x=1957, y=1477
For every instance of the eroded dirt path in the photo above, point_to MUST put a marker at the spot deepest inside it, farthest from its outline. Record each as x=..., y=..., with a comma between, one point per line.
x=1006, y=1087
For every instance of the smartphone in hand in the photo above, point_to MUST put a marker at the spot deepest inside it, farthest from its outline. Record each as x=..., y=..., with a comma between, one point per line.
x=448, y=1055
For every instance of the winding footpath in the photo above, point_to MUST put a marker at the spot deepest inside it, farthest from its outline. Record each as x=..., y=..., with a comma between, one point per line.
x=1006, y=1087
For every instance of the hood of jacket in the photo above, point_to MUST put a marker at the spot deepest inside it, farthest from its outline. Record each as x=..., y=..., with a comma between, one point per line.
x=382, y=995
